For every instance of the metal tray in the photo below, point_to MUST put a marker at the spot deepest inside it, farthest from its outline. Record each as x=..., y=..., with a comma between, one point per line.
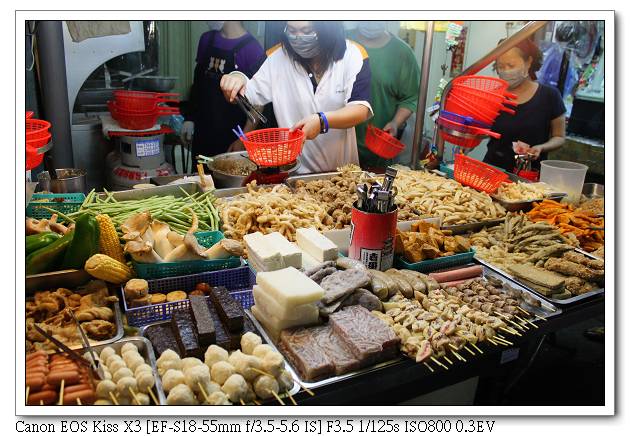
x=146, y=350
x=526, y=206
x=140, y=194
x=472, y=227
x=228, y=193
x=296, y=387
x=335, y=379
x=566, y=302
x=69, y=278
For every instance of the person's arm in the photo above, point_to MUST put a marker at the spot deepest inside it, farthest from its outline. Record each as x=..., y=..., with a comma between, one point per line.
x=401, y=115
x=556, y=138
x=258, y=89
x=406, y=92
x=344, y=118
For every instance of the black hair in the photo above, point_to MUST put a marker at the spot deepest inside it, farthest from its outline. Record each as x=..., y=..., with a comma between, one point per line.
x=528, y=49
x=331, y=38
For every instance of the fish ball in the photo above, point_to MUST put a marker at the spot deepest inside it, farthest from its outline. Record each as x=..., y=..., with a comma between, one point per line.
x=104, y=387
x=140, y=399
x=235, y=387
x=234, y=357
x=122, y=372
x=142, y=368
x=261, y=350
x=249, y=341
x=189, y=362
x=197, y=375
x=113, y=358
x=128, y=347
x=285, y=381
x=172, y=378
x=221, y=371
x=218, y=399
x=247, y=366
x=103, y=402
x=181, y=395
x=116, y=365
x=169, y=364
x=145, y=381
x=107, y=352
x=167, y=354
x=106, y=374
x=273, y=363
x=125, y=385
x=215, y=354
x=265, y=387
x=135, y=361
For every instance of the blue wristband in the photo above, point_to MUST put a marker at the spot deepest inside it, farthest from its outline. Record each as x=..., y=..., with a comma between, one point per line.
x=323, y=119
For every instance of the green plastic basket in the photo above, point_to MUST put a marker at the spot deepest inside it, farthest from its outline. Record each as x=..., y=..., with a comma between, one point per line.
x=427, y=266
x=63, y=203
x=150, y=271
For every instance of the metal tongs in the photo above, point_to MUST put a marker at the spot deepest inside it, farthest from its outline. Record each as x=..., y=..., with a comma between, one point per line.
x=248, y=108
x=95, y=364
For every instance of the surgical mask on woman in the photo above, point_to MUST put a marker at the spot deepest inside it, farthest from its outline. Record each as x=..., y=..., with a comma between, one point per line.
x=215, y=25
x=371, y=29
x=513, y=77
x=306, y=46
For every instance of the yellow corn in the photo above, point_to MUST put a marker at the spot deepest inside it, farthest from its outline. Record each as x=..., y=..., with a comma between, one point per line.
x=105, y=268
x=108, y=240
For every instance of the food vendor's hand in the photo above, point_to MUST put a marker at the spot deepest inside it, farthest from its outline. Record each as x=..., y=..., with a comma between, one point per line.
x=310, y=126
x=391, y=128
x=534, y=151
x=236, y=146
x=232, y=85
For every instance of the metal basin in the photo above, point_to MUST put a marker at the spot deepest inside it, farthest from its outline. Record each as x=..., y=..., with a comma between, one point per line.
x=592, y=190
x=154, y=83
x=230, y=170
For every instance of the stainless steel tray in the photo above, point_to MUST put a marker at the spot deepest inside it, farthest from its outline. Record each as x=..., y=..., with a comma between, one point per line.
x=472, y=227
x=228, y=193
x=139, y=194
x=525, y=206
x=317, y=384
x=566, y=302
x=69, y=278
x=146, y=350
x=296, y=387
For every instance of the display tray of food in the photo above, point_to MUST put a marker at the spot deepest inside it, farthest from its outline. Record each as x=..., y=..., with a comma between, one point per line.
x=93, y=305
x=242, y=371
x=129, y=370
x=521, y=196
x=459, y=229
x=56, y=279
x=541, y=258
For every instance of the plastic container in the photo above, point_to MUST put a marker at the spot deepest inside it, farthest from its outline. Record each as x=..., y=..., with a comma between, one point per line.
x=382, y=143
x=564, y=176
x=239, y=281
x=478, y=175
x=273, y=147
x=172, y=269
x=64, y=203
x=430, y=265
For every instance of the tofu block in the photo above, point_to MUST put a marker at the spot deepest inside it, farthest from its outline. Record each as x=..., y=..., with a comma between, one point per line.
x=289, y=287
x=273, y=326
x=272, y=308
x=265, y=255
x=291, y=254
x=316, y=244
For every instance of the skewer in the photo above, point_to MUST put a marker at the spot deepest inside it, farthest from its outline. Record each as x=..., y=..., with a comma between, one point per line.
x=448, y=360
x=517, y=325
x=133, y=394
x=507, y=342
x=242, y=402
x=152, y=395
x=261, y=372
x=428, y=366
x=63, y=385
x=41, y=402
x=469, y=350
x=278, y=398
x=79, y=402
x=528, y=322
x=439, y=363
x=524, y=311
x=476, y=348
x=500, y=341
x=114, y=399
x=307, y=390
x=256, y=403
x=512, y=332
x=456, y=353
x=291, y=398
x=491, y=341
x=540, y=318
x=28, y=389
x=203, y=392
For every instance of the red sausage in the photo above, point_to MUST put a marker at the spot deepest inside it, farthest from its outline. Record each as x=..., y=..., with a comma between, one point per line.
x=47, y=397
x=458, y=274
x=64, y=368
x=35, y=382
x=76, y=388
x=38, y=368
x=87, y=396
x=37, y=362
x=55, y=378
x=38, y=353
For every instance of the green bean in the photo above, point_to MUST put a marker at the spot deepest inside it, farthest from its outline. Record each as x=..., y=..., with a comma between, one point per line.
x=59, y=214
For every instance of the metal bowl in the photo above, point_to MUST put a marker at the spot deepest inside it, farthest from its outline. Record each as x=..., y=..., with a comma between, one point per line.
x=224, y=177
x=593, y=190
x=154, y=83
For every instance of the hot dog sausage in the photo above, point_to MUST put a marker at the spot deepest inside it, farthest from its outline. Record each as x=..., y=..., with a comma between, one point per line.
x=86, y=396
x=76, y=388
x=35, y=382
x=458, y=274
x=35, y=354
x=55, y=378
x=46, y=397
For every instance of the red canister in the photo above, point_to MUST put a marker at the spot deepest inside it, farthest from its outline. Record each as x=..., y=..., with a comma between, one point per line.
x=372, y=238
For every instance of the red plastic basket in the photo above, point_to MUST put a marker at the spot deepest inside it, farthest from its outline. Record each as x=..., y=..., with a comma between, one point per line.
x=485, y=83
x=138, y=120
x=29, y=114
x=33, y=158
x=463, y=128
x=529, y=175
x=36, y=129
x=382, y=143
x=485, y=100
x=141, y=100
x=478, y=175
x=456, y=105
x=273, y=147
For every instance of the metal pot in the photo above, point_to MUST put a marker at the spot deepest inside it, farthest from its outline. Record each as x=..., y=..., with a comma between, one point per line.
x=154, y=83
x=69, y=180
x=223, y=179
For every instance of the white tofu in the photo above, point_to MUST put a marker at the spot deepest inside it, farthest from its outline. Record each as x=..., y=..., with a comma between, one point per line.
x=316, y=244
x=289, y=287
x=291, y=254
x=274, y=326
x=264, y=254
x=271, y=307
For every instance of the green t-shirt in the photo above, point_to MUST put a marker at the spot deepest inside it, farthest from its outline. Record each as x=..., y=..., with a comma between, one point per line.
x=395, y=82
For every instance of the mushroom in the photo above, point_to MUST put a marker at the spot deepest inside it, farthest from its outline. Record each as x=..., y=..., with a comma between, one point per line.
x=34, y=226
x=136, y=226
x=161, y=243
x=142, y=252
x=190, y=249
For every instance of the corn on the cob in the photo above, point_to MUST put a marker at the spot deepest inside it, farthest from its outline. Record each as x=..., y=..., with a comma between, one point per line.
x=105, y=268
x=109, y=244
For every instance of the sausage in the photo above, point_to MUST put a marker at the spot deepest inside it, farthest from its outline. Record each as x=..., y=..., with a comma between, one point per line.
x=458, y=274
x=35, y=354
x=417, y=284
x=46, y=397
x=87, y=396
x=379, y=287
x=41, y=368
x=36, y=359
x=392, y=285
x=348, y=263
x=55, y=378
x=64, y=368
x=405, y=288
x=35, y=382
x=76, y=388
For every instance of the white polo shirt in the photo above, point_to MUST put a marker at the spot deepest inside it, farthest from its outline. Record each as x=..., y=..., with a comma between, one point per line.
x=288, y=86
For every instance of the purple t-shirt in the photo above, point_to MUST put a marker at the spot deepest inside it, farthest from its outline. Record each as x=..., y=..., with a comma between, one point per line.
x=248, y=58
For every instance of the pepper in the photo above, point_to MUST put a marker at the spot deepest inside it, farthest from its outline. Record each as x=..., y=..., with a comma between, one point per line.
x=84, y=244
x=50, y=257
x=35, y=242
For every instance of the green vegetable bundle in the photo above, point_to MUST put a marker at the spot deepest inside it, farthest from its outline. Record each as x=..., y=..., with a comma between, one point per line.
x=168, y=209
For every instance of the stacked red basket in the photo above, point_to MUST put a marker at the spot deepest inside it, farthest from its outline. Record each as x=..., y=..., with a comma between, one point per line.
x=37, y=136
x=139, y=110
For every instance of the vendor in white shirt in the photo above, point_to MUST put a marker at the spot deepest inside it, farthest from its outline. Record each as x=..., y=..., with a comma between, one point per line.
x=318, y=82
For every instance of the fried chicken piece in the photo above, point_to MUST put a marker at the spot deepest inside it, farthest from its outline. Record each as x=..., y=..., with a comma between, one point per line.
x=99, y=329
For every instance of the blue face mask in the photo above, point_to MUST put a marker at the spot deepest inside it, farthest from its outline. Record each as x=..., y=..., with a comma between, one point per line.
x=306, y=46
x=371, y=29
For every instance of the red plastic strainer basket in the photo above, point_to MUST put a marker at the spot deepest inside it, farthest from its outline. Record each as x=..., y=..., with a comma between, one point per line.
x=485, y=83
x=273, y=147
x=36, y=129
x=33, y=159
x=138, y=120
x=382, y=143
x=141, y=100
x=482, y=96
x=478, y=175
x=456, y=105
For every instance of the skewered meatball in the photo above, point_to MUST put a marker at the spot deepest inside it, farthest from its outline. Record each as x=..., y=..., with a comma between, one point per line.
x=181, y=395
x=196, y=376
x=215, y=354
x=168, y=354
x=265, y=387
x=140, y=399
x=128, y=347
x=142, y=368
x=285, y=381
x=234, y=357
x=190, y=362
x=235, y=387
x=122, y=372
x=273, y=363
x=209, y=388
x=146, y=381
x=218, y=399
x=103, y=402
x=116, y=365
x=172, y=378
x=261, y=350
x=134, y=360
x=221, y=371
x=104, y=387
x=125, y=385
x=249, y=367
x=249, y=341
x=107, y=352
x=113, y=358
x=106, y=374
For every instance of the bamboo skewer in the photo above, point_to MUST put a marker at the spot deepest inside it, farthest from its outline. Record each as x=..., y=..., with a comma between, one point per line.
x=448, y=360
x=242, y=402
x=203, y=392
x=476, y=348
x=491, y=341
x=469, y=350
x=291, y=398
x=63, y=385
x=428, y=366
x=518, y=325
x=528, y=322
x=510, y=331
x=456, y=353
x=524, y=311
x=307, y=390
x=261, y=372
x=256, y=403
x=506, y=341
x=28, y=389
x=41, y=402
x=500, y=341
x=79, y=402
x=152, y=395
x=114, y=399
x=278, y=398
x=133, y=394
x=439, y=363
